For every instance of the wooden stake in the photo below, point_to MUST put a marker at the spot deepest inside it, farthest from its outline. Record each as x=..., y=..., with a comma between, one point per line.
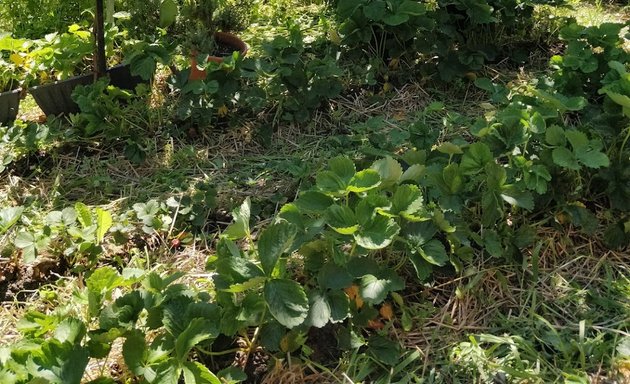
x=100, y=65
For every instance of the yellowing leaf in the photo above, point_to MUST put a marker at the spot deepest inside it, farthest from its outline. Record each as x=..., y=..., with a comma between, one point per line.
x=222, y=111
x=16, y=59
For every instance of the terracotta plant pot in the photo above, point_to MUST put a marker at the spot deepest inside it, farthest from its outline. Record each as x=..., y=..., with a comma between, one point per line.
x=9, y=104
x=222, y=38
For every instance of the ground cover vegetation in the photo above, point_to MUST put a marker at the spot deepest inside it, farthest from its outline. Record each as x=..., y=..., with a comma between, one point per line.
x=378, y=192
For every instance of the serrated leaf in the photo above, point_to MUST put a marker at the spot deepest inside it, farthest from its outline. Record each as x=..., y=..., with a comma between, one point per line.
x=378, y=233
x=8, y=217
x=407, y=200
x=374, y=290
x=70, y=330
x=342, y=219
x=287, y=302
x=414, y=173
x=319, y=310
x=577, y=139
x=313, y=201
x=197, y=331
x=343, y=167
x=434, y=252
x=168, y=13
x=274, y=241
x=196, y=373
x=384, y=350
x=449, y=148
x=103, y=224
x=364, y=181
x=240, y=227
x=330, y=182
x=523, y=199
x=390, y=170
x=134, y=351
x=475, y=158
x=555, y=136
x=333, y=276
x=83, y=214
x=565, y=158
x=592, y=157
x=413, y=8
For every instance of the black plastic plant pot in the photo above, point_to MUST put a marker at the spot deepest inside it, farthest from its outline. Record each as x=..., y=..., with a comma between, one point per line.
x=121, y=77
x=9, y=104
x=56, y=98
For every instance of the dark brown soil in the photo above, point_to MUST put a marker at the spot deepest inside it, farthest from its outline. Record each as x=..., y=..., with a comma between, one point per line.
x=17, y=281
x=323, y=342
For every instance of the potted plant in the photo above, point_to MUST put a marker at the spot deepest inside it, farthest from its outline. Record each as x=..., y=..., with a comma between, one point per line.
x=60, y=62
x=202, y=40
x=11, y=77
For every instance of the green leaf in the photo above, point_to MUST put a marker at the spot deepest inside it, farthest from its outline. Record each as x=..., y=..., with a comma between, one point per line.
x=516, y=197
x=414, y=173
x=8, y=217
x=168, y=13
x=319, y=310
x=565, y=158
x=422, y=267
x=84, y=214
x=134, y=351
x=287, y=302
x=390, y=170
x=196, y=373
x=378, y=233
x=453, y=178
x=103, y=224
x=168, y=372
x=273, y=242
x=24, y=239
x=475, y=158
x=71, y=330
x=339, y=306
x=485, y=84
x=591, y=155
x=395, y=19
x=537, y=123
x=342, y=167
x=492, y=208
x=313, y=201
x=240, y=227
x=374, y=290
x=329, y=182
x=384, y=350
x=333, y=276
x=342, y=219
x=577, y=139
x=197, y=331
x=407, y=200
x=412, y=8
x=364, y=181
x=555, y=136
x=434, y=252
x=375, y=10
x=449, y=148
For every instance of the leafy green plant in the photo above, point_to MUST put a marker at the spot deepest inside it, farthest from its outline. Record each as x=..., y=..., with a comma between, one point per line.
x=161, y=323
x=12, y=58
x=59, y=56
x=298, y=77
x=74, y=233
x=583, y=67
